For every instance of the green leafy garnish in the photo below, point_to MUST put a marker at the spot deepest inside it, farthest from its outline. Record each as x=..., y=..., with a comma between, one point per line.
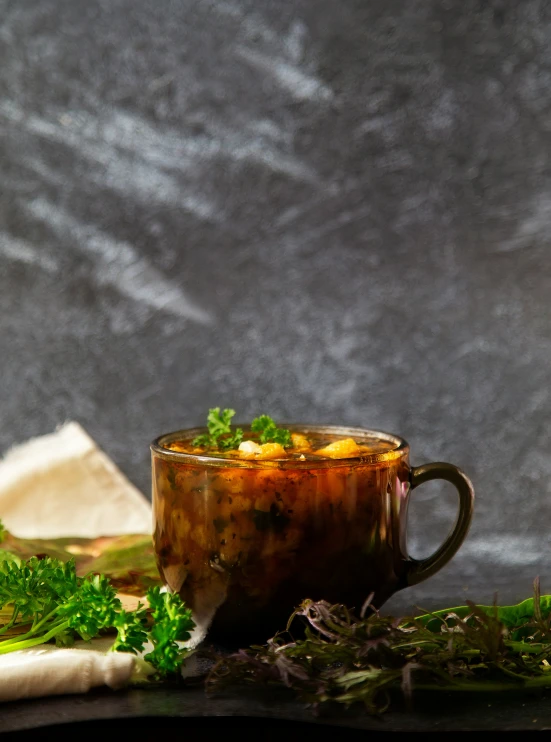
x=269, y=432
x=221, y=437
x=49, y=601
x=220, y=434
x=346, y=659
x=172, y=624
x=44, y=599
x=131, y=630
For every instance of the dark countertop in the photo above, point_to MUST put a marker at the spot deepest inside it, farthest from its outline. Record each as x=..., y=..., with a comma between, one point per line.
x=189, y=710
x=331, y=212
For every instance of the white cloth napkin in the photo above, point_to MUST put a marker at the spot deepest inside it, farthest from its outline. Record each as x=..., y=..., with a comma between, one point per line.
x=49, y=671
x=63, y=485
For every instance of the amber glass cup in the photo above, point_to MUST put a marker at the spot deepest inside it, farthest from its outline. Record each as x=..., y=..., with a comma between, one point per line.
x=244, y=542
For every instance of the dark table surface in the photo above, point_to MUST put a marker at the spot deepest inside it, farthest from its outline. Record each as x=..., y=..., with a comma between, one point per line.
x=189, y=710
x=333, y=212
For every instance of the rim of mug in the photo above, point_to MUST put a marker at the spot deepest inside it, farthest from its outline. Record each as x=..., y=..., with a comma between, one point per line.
x=399, y=449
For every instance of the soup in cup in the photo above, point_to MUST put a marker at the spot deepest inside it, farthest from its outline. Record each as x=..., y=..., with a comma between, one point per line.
x=245, y=535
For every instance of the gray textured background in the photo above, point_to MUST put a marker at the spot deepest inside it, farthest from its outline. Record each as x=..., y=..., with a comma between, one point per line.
x=331, y=211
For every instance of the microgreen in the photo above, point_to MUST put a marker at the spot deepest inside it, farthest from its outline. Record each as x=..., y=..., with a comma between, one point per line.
x=346, y=659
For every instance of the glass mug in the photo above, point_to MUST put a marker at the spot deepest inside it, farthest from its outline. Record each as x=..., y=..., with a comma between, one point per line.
x=244, y=542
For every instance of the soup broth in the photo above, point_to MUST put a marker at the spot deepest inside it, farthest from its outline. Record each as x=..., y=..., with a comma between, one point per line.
x=306, y=445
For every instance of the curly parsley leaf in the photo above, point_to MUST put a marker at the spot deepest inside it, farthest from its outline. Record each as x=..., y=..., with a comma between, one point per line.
x=220, y=434
x=94, y=606
x=49, y=601
x=269, y=432
x=172, y=624
x=131, y=631
x=45, y=600
x=218, y=422
x=202, y=441
x=232, y=441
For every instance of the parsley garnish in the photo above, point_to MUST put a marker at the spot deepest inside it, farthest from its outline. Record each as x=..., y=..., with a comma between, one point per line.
x=49, y=599
x=45, y=599
x=220, y=434
x=269, y=432
x=172, y=624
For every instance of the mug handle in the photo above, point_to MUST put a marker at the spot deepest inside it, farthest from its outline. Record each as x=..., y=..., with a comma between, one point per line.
x=420, y=569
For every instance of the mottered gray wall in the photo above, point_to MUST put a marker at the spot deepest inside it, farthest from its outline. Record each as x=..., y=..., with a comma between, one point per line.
x=331, y=212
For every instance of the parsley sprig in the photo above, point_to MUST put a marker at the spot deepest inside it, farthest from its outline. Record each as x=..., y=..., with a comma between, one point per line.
x=220, y=434
x=46, y=600
x=269, y=432
x=172, y=623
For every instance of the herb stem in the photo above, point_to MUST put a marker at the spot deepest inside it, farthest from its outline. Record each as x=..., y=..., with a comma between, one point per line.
x=11, y=622
x=525, y=648
x=29, y=634
x=8, y=646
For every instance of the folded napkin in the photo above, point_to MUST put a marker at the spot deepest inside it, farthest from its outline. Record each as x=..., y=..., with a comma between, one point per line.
x=48, y=671
x=63, y=485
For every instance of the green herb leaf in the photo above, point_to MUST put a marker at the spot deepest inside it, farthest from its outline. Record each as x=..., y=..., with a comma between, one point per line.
x=131, y=633
x=231, y=441
x=218, y=422
x=172, y=624
x=93, y=606
x=220, y=435
x=46, y=600
x=51, y=602
x=204, y=441
x=269, y=432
